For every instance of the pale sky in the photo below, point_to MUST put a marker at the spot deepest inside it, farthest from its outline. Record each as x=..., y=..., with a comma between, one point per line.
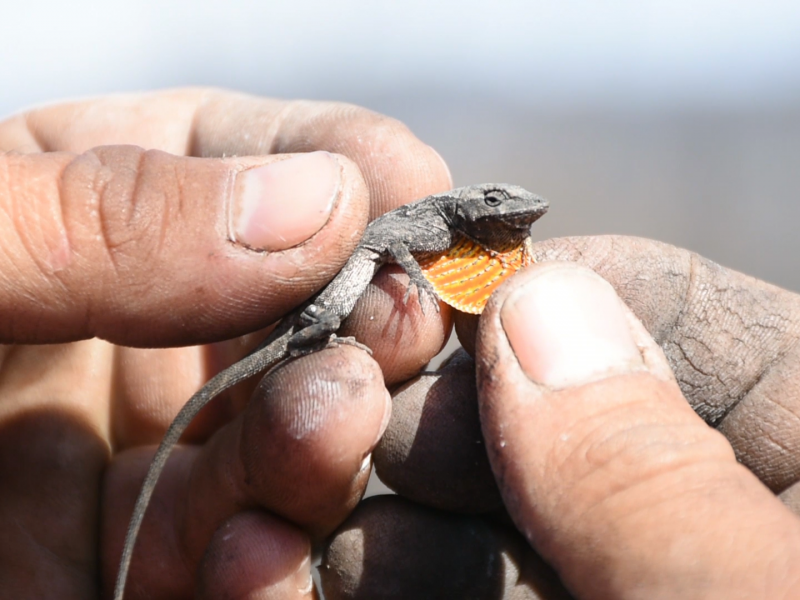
x=573, y=52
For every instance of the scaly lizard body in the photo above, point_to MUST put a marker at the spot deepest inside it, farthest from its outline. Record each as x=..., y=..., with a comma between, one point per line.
x=494, y=217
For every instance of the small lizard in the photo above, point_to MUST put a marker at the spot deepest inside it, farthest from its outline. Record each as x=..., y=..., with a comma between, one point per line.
x=493, y=218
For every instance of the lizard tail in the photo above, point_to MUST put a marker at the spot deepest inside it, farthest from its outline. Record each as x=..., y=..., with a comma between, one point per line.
x=260, y=359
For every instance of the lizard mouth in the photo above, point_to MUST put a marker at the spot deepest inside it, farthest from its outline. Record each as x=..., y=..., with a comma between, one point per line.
x=523, y=221
x=511, y=230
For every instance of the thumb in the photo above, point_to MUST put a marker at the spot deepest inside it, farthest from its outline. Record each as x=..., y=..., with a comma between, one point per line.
x=146, y=248
x=601, y=462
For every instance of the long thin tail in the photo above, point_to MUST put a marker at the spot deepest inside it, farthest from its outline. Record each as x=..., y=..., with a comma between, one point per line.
x=260, y=359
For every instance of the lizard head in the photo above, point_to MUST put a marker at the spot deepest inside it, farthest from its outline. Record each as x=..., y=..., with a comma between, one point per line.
x=496, y=215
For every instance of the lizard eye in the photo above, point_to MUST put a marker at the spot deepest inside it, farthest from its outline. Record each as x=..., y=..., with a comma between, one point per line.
x=493, y=200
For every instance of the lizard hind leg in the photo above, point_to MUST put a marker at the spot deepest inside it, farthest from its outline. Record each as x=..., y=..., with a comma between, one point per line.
x=317, y=324
x=318, y=331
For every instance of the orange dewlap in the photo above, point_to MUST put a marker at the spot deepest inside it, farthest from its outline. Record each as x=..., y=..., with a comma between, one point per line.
x=466, y=275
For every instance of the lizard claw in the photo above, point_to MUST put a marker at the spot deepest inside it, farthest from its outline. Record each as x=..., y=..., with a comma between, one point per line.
x=424, y=290
x=335, y=341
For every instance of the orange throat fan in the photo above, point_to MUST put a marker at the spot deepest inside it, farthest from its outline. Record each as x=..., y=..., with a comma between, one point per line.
x=466, y=275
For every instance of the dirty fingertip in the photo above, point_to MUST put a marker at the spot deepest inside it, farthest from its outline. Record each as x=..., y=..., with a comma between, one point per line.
x=567, y=326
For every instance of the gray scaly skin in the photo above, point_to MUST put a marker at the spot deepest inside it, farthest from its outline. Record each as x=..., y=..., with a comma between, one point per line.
x=492, y=215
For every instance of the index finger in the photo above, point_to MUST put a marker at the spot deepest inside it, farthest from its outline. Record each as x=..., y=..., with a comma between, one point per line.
x=187, y=198
x=207, y=122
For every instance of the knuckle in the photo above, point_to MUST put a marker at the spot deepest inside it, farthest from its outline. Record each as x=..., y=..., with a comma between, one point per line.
x=338, y=127
x=35, y=246
x=119, y=207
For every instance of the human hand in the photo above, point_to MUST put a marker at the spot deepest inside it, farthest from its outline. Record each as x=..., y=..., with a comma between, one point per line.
x=593, y=449
x=107, y=247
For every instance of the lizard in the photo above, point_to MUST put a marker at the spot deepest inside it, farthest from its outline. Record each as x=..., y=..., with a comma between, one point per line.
x=488, y=218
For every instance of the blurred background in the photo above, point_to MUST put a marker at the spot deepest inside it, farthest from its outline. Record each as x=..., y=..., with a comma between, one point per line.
x=674, y=120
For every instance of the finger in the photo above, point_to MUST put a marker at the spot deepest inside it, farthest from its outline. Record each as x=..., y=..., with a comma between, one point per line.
x=594, y=447
x=53, y=450
x=159, y=568
x=392, y=548
x=145, y=248
x=466, y=328
x=730, y=340
x=257, y=557
x=432, y=451
x=307, y=438
x=402, y=338
x=301, y=450
x=150, y=386
x=207, y=122
x=398, y=167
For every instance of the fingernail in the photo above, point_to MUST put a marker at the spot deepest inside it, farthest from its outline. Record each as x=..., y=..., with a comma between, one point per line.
x=444, y=164
x=567, y=327
x=302, y=577
x=284, y=203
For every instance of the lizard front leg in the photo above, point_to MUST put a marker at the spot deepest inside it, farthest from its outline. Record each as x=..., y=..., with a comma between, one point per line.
x=403, y=257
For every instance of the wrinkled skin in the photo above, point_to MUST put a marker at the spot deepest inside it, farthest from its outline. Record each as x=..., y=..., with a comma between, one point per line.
x=730, y=341
x=106, y=247
x=610, y=476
